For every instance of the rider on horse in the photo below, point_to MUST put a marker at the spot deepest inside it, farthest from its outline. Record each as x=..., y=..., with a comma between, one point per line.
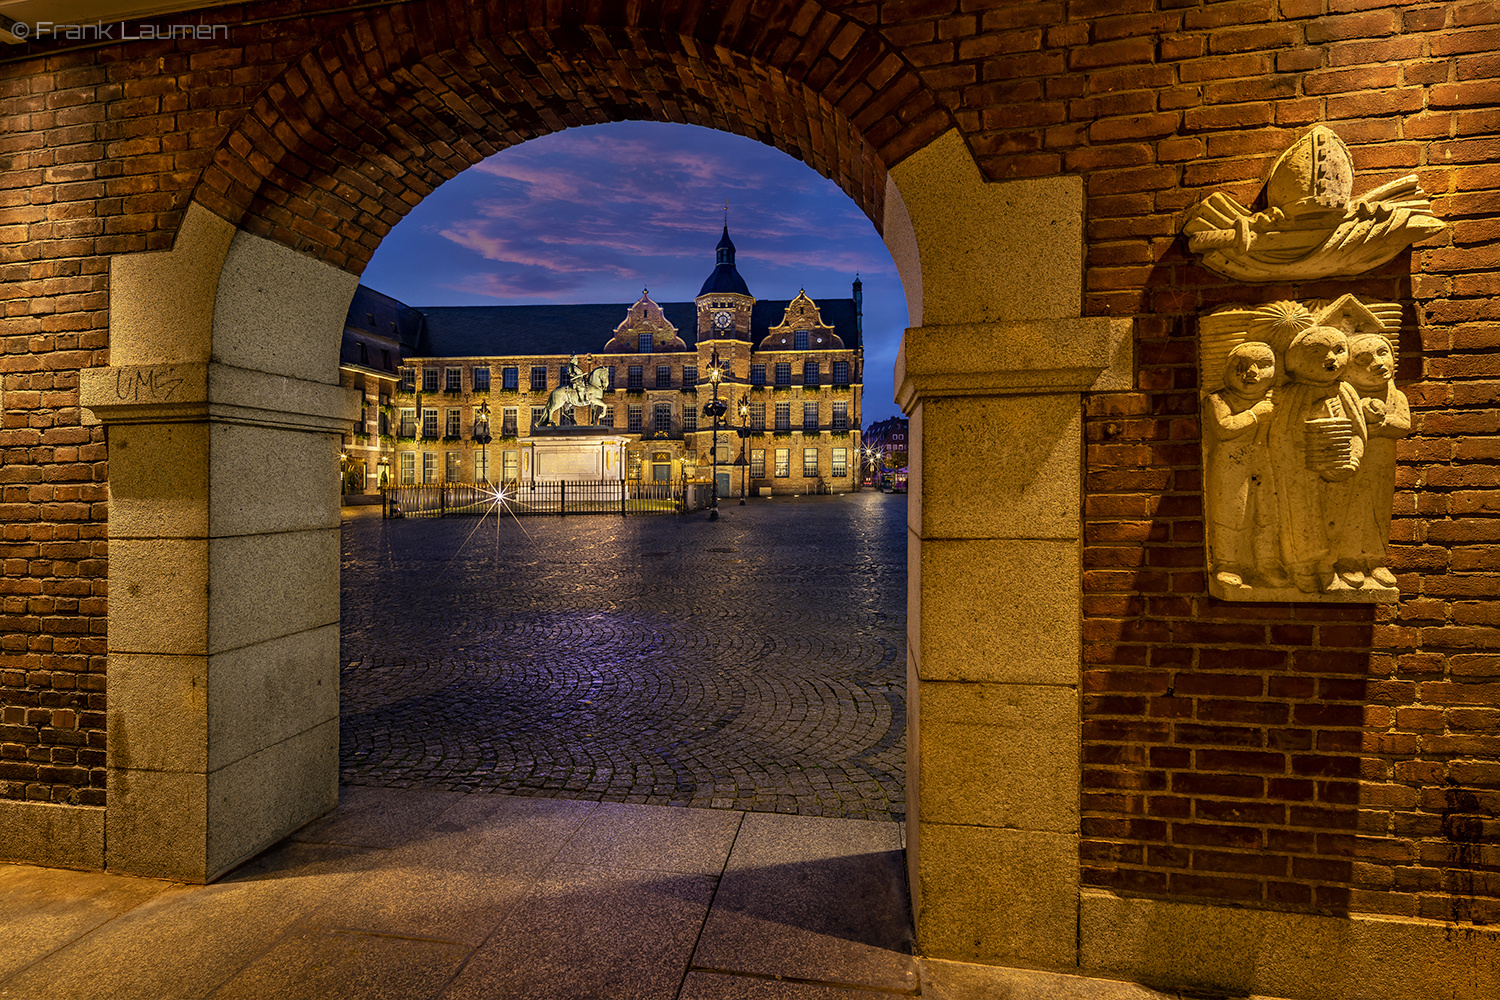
x=575, y=376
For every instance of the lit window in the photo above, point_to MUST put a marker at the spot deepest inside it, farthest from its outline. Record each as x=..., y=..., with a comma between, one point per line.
x=481, y=466
x=783, y=463
x=809, y=463
x=840, y=463
x=408, y=427
x=429, y=467
x=408, y=468
x=454, y=471
x=510, y=467
x=508, y=422
x=757, y=463
x=455, y=423
x=841, y=416
x=757, y=416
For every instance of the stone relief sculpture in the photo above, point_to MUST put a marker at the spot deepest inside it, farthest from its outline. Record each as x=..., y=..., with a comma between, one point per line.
x=1311, y=226
x=1297, y=498
x=1300, y=414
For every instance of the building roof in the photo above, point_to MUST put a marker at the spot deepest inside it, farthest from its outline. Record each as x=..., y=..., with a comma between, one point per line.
x=378, y=331
x=488, y=331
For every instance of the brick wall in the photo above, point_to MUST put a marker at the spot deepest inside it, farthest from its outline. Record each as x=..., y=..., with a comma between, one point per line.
x=1299, y=756
x=52, y=502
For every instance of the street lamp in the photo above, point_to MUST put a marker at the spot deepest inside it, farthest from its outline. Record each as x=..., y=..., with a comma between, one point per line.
x=715, y=409
x=744, y=441
x=484, y=441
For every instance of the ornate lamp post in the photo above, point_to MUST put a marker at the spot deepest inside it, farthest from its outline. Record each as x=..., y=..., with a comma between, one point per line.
x=744, y=442
x=483, y=417
x=715, y=409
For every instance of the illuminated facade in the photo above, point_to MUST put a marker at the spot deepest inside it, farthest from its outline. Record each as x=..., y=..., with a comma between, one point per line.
x=471, y=383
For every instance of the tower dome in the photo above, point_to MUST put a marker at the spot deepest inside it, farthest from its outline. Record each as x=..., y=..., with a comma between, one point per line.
x=725, y=278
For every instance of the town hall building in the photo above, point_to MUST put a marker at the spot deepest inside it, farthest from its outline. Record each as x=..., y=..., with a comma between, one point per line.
x=458, y=393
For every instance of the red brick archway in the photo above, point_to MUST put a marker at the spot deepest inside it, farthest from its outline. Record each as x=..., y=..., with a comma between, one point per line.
x=363, y=127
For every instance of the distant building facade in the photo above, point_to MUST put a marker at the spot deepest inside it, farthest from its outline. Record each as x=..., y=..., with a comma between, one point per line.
x=464, y=399
x=888, y=440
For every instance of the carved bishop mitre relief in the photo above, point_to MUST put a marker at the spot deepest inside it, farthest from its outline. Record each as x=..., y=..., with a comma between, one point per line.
x=1311, y=227
x=1299, y=449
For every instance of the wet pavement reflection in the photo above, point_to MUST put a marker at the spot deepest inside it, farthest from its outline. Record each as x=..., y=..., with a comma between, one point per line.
x=756, y=662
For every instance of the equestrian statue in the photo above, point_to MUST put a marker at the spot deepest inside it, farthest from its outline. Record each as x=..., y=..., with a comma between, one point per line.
x=581, y=390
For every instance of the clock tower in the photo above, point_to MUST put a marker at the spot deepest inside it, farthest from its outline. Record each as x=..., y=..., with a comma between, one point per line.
x=724, y=302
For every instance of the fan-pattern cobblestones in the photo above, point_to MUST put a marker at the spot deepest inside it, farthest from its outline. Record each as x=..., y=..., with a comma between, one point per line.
x=756, y=662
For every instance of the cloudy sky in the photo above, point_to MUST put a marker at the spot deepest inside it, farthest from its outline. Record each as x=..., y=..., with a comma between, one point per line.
x=596, y=214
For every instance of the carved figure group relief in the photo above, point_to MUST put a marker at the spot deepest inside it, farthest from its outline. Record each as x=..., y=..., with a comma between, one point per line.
x=1300, y=412
x=1300, y=423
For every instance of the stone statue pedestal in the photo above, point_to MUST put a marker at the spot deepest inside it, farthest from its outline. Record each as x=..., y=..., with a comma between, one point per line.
x=576, y=454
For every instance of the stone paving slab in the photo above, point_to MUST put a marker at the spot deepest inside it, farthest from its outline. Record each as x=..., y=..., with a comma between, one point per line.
x=814, y=899
x=752, y=663
x=44, y=909
x=712, y=986
x=591, y=931
x=315, y=964
x=689, y=841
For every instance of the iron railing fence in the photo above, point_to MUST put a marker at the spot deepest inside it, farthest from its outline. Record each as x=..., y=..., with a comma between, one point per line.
x=559, y=497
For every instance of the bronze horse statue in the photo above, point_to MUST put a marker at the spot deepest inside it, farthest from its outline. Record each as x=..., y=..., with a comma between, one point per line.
x=591, y=395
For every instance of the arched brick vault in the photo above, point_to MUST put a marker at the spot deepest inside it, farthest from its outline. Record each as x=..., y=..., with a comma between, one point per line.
x=360, y=129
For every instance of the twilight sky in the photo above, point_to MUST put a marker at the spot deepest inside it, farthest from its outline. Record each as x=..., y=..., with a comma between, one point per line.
x=595, y=214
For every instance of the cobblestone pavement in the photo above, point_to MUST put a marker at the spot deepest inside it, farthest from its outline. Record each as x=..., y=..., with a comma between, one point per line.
x=756, y=662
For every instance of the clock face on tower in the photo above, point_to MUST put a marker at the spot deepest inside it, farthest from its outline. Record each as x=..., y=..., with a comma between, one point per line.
x=722, y=320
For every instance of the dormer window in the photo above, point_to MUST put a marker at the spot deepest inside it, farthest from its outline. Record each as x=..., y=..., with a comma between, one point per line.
x=645, y=342
x=800, y=340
